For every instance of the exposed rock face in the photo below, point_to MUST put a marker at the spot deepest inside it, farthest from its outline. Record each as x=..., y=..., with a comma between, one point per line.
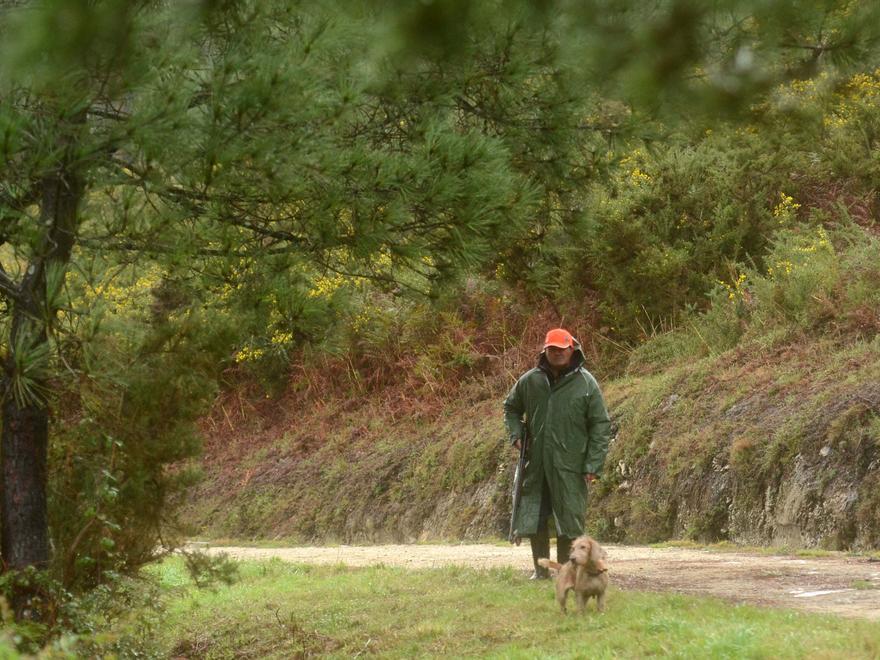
x=809, y=480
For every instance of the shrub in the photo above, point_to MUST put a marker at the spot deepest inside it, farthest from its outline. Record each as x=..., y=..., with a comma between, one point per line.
x=126, y=426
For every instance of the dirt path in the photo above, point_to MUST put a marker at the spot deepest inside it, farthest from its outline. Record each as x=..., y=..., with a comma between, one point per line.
x=845, y=586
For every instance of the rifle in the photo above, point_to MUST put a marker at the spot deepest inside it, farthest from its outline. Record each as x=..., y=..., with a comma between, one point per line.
x=518, y=476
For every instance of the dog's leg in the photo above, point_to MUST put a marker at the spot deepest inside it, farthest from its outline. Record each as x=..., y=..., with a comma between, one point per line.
x=562, y=597
x=600, y=601
x=582, y=601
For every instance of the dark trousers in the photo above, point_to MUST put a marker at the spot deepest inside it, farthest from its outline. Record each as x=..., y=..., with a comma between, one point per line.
x=540, y=542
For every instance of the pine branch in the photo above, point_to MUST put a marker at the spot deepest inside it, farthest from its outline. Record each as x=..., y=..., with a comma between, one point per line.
x=8, y=288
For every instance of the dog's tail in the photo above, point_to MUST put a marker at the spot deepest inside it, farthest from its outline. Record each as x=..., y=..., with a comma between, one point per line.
x=546, y=563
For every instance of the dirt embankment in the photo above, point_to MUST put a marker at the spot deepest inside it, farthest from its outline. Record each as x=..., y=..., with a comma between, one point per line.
x=839, y=585
x=775, y=445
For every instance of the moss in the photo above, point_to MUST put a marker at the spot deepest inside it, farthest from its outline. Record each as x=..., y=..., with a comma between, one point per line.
x=868, y=507
x=712, y=525
x=782, y=447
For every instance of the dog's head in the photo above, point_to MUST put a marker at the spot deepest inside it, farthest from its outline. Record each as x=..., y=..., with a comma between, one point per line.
x=586, y=552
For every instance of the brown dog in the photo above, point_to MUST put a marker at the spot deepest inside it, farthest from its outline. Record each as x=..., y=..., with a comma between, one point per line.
x=585, y=573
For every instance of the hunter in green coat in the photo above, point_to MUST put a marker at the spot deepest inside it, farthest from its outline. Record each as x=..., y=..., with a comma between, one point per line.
x=560, y=402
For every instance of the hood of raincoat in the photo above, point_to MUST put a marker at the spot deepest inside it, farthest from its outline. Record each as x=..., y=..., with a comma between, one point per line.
x=577, y=361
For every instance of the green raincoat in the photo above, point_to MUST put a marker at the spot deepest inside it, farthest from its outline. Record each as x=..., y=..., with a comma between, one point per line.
x=569, y=430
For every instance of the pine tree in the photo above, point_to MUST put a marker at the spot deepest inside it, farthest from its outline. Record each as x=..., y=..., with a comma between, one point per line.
x=250, y=131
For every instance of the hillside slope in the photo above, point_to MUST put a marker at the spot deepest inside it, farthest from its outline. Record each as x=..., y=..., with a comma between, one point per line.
x=764, y=444
x=355, y=472
x=771, y=442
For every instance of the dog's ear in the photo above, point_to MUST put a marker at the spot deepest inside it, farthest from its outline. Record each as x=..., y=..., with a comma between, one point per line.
x=597, y=554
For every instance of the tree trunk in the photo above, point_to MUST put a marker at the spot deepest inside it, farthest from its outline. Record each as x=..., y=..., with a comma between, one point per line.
x=24, y=528
x=24, y=443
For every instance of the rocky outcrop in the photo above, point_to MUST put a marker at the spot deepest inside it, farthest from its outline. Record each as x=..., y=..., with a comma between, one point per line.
x=766, y=471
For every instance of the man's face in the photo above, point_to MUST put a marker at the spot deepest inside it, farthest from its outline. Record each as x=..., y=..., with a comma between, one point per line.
x=559, y=357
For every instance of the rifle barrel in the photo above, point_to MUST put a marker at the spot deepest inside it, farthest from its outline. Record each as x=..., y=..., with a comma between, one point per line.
x=518, y=477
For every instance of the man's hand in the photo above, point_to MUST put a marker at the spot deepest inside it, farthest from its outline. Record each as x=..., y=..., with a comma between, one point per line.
x=589, y=478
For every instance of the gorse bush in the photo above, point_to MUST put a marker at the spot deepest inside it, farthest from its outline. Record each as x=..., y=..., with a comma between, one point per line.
x=817, y=281
x=822, y=280
x=801, y=275
x=655, y=239
x=672, y=215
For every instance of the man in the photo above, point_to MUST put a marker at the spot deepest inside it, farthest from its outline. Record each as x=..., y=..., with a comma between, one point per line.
x=568, y=426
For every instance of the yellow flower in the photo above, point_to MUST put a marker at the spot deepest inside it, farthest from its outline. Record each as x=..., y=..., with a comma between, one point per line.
x=638, y=177
x=786, y=208
x=736, y=291
x=360, y=322
x=281, y=338
x=325, y=287
x=781, y=268
x=383, y=260
x=248, y=354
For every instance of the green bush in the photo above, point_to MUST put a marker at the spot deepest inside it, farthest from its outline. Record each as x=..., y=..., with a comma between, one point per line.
x=802, y=275
x=816, y=281
x=126, y=427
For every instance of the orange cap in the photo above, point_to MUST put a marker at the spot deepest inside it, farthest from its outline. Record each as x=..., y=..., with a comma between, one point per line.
x=559, y=338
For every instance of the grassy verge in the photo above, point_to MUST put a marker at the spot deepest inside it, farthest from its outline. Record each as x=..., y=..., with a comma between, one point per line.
x=773, y=550
x=280, y=610
x=288, y=542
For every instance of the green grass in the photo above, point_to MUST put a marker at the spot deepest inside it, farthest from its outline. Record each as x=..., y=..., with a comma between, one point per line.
x=7, y=651
x=281, y=610
x=729, y=546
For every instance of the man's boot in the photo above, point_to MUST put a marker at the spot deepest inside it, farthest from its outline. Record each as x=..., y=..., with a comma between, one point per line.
x=540, y=543
x=563, y=549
